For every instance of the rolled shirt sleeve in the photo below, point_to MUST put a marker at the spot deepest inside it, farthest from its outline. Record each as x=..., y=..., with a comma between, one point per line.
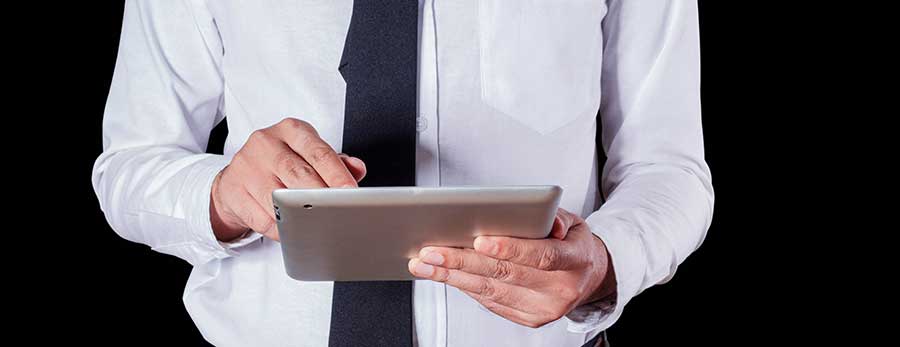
x=656, y=184
x=153, y=178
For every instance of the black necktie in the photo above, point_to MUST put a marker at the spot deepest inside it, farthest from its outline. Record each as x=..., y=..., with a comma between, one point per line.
x=379, y=64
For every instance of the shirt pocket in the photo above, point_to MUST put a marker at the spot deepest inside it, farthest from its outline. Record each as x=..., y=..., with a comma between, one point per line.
x=540, y=59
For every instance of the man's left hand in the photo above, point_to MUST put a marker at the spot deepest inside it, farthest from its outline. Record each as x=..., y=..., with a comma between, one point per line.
x=530, y=282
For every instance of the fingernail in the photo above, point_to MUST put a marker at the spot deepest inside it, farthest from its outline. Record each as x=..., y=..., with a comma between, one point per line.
x=433, y=258
x=347, y=186
x=423, y=269
x=485, y=245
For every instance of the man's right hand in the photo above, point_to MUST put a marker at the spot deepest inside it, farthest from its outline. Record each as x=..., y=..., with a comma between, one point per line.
x=289, y=154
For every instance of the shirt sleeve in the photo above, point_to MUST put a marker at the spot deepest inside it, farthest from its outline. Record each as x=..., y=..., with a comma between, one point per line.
x=153, y=178
x=656, y=184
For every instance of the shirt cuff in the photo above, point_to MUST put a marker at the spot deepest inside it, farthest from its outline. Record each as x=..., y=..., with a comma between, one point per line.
x=198, y=189
x=628, y=262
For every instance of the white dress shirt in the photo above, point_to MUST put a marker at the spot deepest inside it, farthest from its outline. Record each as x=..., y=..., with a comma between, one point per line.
x=508, y=94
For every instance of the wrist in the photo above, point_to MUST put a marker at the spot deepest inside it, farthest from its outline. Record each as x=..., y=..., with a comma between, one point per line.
x=605, y=276
x=224, y=229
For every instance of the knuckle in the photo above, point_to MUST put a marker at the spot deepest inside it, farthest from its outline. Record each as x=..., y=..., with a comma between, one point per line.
x=293, y=123
x=587, y=262
x=320, y=153
x=502, y=270
x=288, y=164
x=456, y=261
x=301, y=170
x=441, y=275
x=489, y=291
x=516, y=250
x=549, y=258
x=284, y=160
x=258, y=135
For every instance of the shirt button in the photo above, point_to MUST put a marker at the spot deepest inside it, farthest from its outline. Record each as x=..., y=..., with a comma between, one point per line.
x=421, y=123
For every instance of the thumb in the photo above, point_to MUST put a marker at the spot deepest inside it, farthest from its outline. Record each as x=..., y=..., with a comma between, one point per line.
x=560, y=229
x=564, y=221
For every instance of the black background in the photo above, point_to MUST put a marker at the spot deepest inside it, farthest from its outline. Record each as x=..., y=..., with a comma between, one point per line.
x=94, y=286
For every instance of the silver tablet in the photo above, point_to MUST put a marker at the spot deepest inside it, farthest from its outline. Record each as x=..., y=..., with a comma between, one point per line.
x=360, y=234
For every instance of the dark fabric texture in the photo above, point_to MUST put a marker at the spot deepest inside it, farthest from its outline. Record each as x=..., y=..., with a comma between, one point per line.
x=379, y=64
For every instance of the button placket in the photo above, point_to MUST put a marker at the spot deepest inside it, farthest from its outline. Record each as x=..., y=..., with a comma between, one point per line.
x=427, y=126
x=421, y=123
x=428, y=156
